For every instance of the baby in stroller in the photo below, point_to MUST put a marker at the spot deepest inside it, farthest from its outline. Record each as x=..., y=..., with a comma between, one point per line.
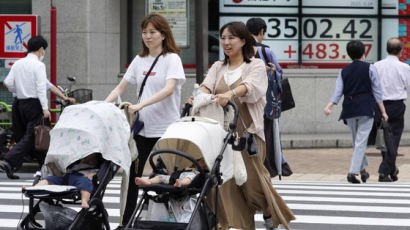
x=80, y=174
x=185, y=176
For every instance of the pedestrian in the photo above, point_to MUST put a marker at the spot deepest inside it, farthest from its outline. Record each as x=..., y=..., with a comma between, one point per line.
x=18, y=131
x=27, y=80
x=242, y=79
x=159, y=103
x=257, y=27
x=395, y=81
x=359, y=84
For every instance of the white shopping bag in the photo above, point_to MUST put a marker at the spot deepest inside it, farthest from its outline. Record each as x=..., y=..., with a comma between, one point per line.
x=183, y=208
x=159, y=212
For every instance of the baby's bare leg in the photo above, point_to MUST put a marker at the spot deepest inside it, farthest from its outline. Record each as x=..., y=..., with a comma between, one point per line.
x=85, y=197
x=183, y=182
x=42, y=182
x=145, y=181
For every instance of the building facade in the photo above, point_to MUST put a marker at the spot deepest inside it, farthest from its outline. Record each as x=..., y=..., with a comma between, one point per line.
x=97, y=39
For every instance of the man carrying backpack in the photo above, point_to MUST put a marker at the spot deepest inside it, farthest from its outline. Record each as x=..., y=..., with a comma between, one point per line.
x=257, y=27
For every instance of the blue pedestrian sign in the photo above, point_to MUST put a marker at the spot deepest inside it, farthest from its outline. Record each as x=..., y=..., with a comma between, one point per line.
x=15, y=31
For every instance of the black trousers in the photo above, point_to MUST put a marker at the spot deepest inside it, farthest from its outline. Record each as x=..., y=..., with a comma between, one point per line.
x=144, y=146
x=395, y=110
x=26, y=114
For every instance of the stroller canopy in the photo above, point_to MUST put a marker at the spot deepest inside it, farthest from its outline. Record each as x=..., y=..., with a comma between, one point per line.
x=201, y=138
x=93, y=127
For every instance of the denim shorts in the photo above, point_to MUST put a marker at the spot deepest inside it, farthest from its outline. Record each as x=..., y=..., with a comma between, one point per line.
x=75, y=179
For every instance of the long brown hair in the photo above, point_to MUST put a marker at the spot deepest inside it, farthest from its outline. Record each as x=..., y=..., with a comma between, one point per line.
x=238, y=29
x=160, y=24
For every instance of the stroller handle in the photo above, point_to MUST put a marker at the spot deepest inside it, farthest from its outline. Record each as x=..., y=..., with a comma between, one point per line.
x=175, y=152
x=232, y=124
x=185, y=110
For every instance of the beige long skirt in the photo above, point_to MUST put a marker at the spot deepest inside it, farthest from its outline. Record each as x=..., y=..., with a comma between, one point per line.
x=237, y=205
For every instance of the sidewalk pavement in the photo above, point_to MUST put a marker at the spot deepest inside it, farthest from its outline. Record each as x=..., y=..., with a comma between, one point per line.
x=332, y=164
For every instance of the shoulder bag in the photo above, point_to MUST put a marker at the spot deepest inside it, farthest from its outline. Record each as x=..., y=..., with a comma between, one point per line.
x=286, y=96
x=138, y=125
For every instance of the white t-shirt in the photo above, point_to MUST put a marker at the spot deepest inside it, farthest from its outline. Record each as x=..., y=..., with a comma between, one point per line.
x=231, y=76
x=157, y=117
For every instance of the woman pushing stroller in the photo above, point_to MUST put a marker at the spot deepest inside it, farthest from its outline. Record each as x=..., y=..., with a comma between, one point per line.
x=159, y=74
x=242, y=78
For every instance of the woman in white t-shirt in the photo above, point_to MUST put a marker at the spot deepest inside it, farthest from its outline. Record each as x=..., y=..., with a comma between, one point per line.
x=159, y=104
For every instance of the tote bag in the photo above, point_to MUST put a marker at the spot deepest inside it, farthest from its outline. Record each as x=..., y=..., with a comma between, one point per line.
x=42, y=137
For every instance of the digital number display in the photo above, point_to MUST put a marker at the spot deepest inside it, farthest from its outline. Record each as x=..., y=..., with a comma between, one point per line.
x=324, y=40
x=366, y=7
x=326, y=27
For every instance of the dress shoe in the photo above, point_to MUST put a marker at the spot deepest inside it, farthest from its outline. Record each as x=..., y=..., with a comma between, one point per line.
x=364, y=175
x=393, y=176
x=384, y=178
x=6, y=167
x=352, y=178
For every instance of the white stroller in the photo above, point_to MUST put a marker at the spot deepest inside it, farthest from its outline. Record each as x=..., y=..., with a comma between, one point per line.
x=184, y=142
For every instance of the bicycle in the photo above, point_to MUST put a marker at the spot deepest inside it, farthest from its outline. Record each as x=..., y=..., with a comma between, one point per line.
x=80, y=95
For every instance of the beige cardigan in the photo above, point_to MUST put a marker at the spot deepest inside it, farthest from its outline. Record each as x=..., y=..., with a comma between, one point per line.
x=255, y=79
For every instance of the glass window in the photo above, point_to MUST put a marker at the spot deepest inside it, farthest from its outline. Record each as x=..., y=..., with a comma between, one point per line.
x=15, y=7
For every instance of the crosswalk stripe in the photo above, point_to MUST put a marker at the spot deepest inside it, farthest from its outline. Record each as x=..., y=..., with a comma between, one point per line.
x=330, y=184
x=350, y=208
x=352, y=220
x=323, y=187
x=347, y=200
x=344, y=193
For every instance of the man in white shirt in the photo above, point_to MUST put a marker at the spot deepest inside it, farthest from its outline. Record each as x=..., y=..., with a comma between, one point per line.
x=27, y=80
x=395, y=81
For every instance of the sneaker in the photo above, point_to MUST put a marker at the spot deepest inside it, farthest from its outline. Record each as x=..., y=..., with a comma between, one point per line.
x=351, y=178
x=6, y=167
x=364, y=175
x=384, y=178
x=393, y=176
x=269, y=223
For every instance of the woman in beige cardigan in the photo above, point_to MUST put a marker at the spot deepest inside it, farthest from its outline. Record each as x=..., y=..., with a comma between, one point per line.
x=242, y=78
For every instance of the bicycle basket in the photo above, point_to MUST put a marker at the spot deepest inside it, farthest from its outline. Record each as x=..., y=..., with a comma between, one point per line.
x=82, y=95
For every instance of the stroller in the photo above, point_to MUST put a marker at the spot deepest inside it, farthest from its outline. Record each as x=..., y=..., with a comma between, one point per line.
x=84, y=129
x=184, y=142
